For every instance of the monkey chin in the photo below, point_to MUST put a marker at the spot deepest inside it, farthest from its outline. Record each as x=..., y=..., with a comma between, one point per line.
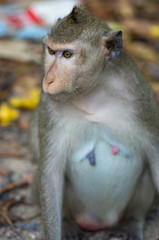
x=64, y=95
x=60, y=96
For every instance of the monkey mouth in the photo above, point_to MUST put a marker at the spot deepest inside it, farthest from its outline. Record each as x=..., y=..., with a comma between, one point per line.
x=60, y=97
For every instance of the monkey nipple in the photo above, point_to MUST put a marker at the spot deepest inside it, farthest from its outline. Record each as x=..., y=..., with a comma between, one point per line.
x=115, y=150
x=91, y=158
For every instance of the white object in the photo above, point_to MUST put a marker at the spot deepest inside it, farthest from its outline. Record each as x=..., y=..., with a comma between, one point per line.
x=50, y=11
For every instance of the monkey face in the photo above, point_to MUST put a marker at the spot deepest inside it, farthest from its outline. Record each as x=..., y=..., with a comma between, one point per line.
x=70, y=69
x=76, y=52
x=73, y=69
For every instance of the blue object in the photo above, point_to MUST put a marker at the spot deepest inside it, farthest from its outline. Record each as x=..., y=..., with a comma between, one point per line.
x=91, y=158
x=32, y=32
x=3, y=29
x=29, y=226
x=4, y=196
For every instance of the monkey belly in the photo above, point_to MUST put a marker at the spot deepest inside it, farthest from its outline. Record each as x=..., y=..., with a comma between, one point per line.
x=101, y=192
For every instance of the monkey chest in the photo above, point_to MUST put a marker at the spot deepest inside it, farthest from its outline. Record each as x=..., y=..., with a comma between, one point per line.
x=103, y=176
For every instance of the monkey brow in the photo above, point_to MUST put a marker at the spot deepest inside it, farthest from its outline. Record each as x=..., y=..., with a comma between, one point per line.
x=56, y=49
x=47, y=42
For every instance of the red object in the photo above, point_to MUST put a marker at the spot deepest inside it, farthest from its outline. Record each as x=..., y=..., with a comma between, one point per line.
x=16, y=21
x=34, y=18
x=115, y=150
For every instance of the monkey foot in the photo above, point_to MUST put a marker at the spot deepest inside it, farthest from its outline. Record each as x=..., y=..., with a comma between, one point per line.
x=74, y=235
x=72, y=232
x=114, y=234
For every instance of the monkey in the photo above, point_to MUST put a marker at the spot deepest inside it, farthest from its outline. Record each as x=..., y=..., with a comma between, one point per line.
x=94, y=134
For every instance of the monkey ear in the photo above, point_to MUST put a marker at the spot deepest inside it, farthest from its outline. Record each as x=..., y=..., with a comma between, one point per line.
x=112, y=43
x=73, y=15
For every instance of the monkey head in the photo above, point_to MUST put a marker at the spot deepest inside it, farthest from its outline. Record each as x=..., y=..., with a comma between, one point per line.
x=75, y=54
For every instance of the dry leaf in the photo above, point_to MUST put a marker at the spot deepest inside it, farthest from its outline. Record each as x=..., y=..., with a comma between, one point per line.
x=143, y=51
x=29, y=102
x=7, y=114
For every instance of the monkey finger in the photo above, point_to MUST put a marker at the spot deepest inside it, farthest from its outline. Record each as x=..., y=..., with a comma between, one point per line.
x=110, y=235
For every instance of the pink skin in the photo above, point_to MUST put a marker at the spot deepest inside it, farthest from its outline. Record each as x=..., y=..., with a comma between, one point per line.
x=115, y=150
x=89, y=223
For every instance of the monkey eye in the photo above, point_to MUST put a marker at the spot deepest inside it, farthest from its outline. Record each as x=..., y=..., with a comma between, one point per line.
x=67, y=54
x=51, y=52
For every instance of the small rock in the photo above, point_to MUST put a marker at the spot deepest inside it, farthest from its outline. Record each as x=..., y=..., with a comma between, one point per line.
x=29, y=226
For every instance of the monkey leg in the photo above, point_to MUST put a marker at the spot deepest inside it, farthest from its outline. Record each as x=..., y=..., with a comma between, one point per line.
x=71, y=231
x=127, y=230
x=131, y=227
x=117, y=233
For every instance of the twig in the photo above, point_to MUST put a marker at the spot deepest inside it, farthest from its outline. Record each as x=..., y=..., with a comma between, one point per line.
x=11, y=154
x=3, y=172
x=4, y=209
x=11, y=186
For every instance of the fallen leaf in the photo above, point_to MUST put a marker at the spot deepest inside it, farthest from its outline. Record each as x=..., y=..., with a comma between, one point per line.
x=7, y=114
x=143, y=51
x=154, y=31
x=3, y=172
x=11, y=154
x=142, y=28
x=29, y=102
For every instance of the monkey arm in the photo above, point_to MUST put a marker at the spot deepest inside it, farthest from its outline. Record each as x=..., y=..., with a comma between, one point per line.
x=153, y=160
x=155, y=170
x=51, y=177
x=33, y=134
x=51, y=188
x=51, y=204
x=149, y=120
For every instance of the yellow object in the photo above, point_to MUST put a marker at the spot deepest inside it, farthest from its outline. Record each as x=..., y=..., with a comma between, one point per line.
x=116, y=26
x=29, y=102
x=7, y=114
x=143, y=51
x=154, y=31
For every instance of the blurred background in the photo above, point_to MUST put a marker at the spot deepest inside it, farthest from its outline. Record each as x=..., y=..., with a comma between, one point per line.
x=23, y=25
